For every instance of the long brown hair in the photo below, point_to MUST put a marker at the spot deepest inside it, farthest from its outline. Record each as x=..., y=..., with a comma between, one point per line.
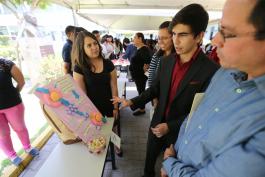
x=82, y=60
x=74, y=49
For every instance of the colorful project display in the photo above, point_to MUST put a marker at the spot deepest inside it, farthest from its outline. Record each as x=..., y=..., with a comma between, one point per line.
x=73, y=107
x=120, y=61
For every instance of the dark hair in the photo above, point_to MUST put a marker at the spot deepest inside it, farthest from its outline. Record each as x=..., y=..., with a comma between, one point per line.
x=95, y=32
x=104, y=38
x=140, y=35
x=110, y=36
x=74, y=47
x=118, y=44
x=82, y=60
x=257, y=18
x=193, y=15
x=69, y=29
x=126, y=40
x=164, y=25
x=79, y=29
x=117, y=41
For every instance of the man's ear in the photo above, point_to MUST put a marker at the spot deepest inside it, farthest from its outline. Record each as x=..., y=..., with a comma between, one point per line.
x=199, y=37
x=71, y=36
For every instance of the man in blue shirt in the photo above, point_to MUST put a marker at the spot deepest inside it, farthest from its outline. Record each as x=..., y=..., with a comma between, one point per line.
x=67, y=48
x=224, y=136
x=129, y=54
x=130, y=51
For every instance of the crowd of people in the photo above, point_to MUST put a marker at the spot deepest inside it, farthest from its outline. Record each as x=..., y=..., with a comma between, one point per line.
x=219, y=132
x=181, y=74
x=223, y=133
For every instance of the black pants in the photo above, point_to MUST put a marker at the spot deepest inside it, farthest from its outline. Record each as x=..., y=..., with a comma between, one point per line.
x=140, y=83
x=154, y=147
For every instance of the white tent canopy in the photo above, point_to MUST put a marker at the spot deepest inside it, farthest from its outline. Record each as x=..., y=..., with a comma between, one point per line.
x=136, y=15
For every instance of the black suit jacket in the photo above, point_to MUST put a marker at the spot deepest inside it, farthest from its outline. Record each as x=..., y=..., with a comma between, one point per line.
x=195, y=81
x=141, y=57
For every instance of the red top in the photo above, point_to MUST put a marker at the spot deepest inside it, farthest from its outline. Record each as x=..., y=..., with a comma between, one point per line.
x=179, y=72
x=213, y=55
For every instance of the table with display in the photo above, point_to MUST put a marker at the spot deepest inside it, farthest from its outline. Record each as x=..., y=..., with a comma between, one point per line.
x=76, y=160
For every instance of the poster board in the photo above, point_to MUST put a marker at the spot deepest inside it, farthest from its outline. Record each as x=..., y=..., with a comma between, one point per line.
x=71, y=105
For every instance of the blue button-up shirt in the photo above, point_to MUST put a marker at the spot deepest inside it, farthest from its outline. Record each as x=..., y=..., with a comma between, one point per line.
x=130, y=52
x=225, y=136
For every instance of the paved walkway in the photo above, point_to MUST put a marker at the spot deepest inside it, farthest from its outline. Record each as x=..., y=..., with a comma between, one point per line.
x=134, y=136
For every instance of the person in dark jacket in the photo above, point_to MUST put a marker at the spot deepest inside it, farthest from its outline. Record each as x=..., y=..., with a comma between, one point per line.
x=139, y=62
x=180, y=76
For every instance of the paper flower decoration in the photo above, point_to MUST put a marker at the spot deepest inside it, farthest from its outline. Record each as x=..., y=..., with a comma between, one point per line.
x=53, y=98
x=96, y=118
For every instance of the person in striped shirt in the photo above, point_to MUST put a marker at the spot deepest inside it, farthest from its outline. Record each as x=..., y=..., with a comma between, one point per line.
x=165, y=48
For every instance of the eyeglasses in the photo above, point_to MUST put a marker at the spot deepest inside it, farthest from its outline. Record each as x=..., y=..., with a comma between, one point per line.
x=164, y=38
x=231, y=35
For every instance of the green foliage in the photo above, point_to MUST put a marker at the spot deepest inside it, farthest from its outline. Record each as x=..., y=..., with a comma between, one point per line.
x=50, y=69
x=6, y=162
x=18, y=1
x=4, y=40
x=41, y=4
x=8, y=52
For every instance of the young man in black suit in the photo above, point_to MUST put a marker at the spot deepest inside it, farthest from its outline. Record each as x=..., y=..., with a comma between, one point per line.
x=179, y=78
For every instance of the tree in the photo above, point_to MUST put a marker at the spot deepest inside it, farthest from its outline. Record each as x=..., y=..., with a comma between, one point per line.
x=23, y=11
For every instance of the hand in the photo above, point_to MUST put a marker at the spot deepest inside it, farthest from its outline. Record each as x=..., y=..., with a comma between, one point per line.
x=160, y=130
x=163, y=173
x=115, y=114
x=169, y=152
x=146, y=67
x=124, y=103
x=155, y=102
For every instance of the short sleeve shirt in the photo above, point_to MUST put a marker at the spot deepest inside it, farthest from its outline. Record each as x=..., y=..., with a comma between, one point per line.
x=9, y=96
x=98, y=87
x=66, y=52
